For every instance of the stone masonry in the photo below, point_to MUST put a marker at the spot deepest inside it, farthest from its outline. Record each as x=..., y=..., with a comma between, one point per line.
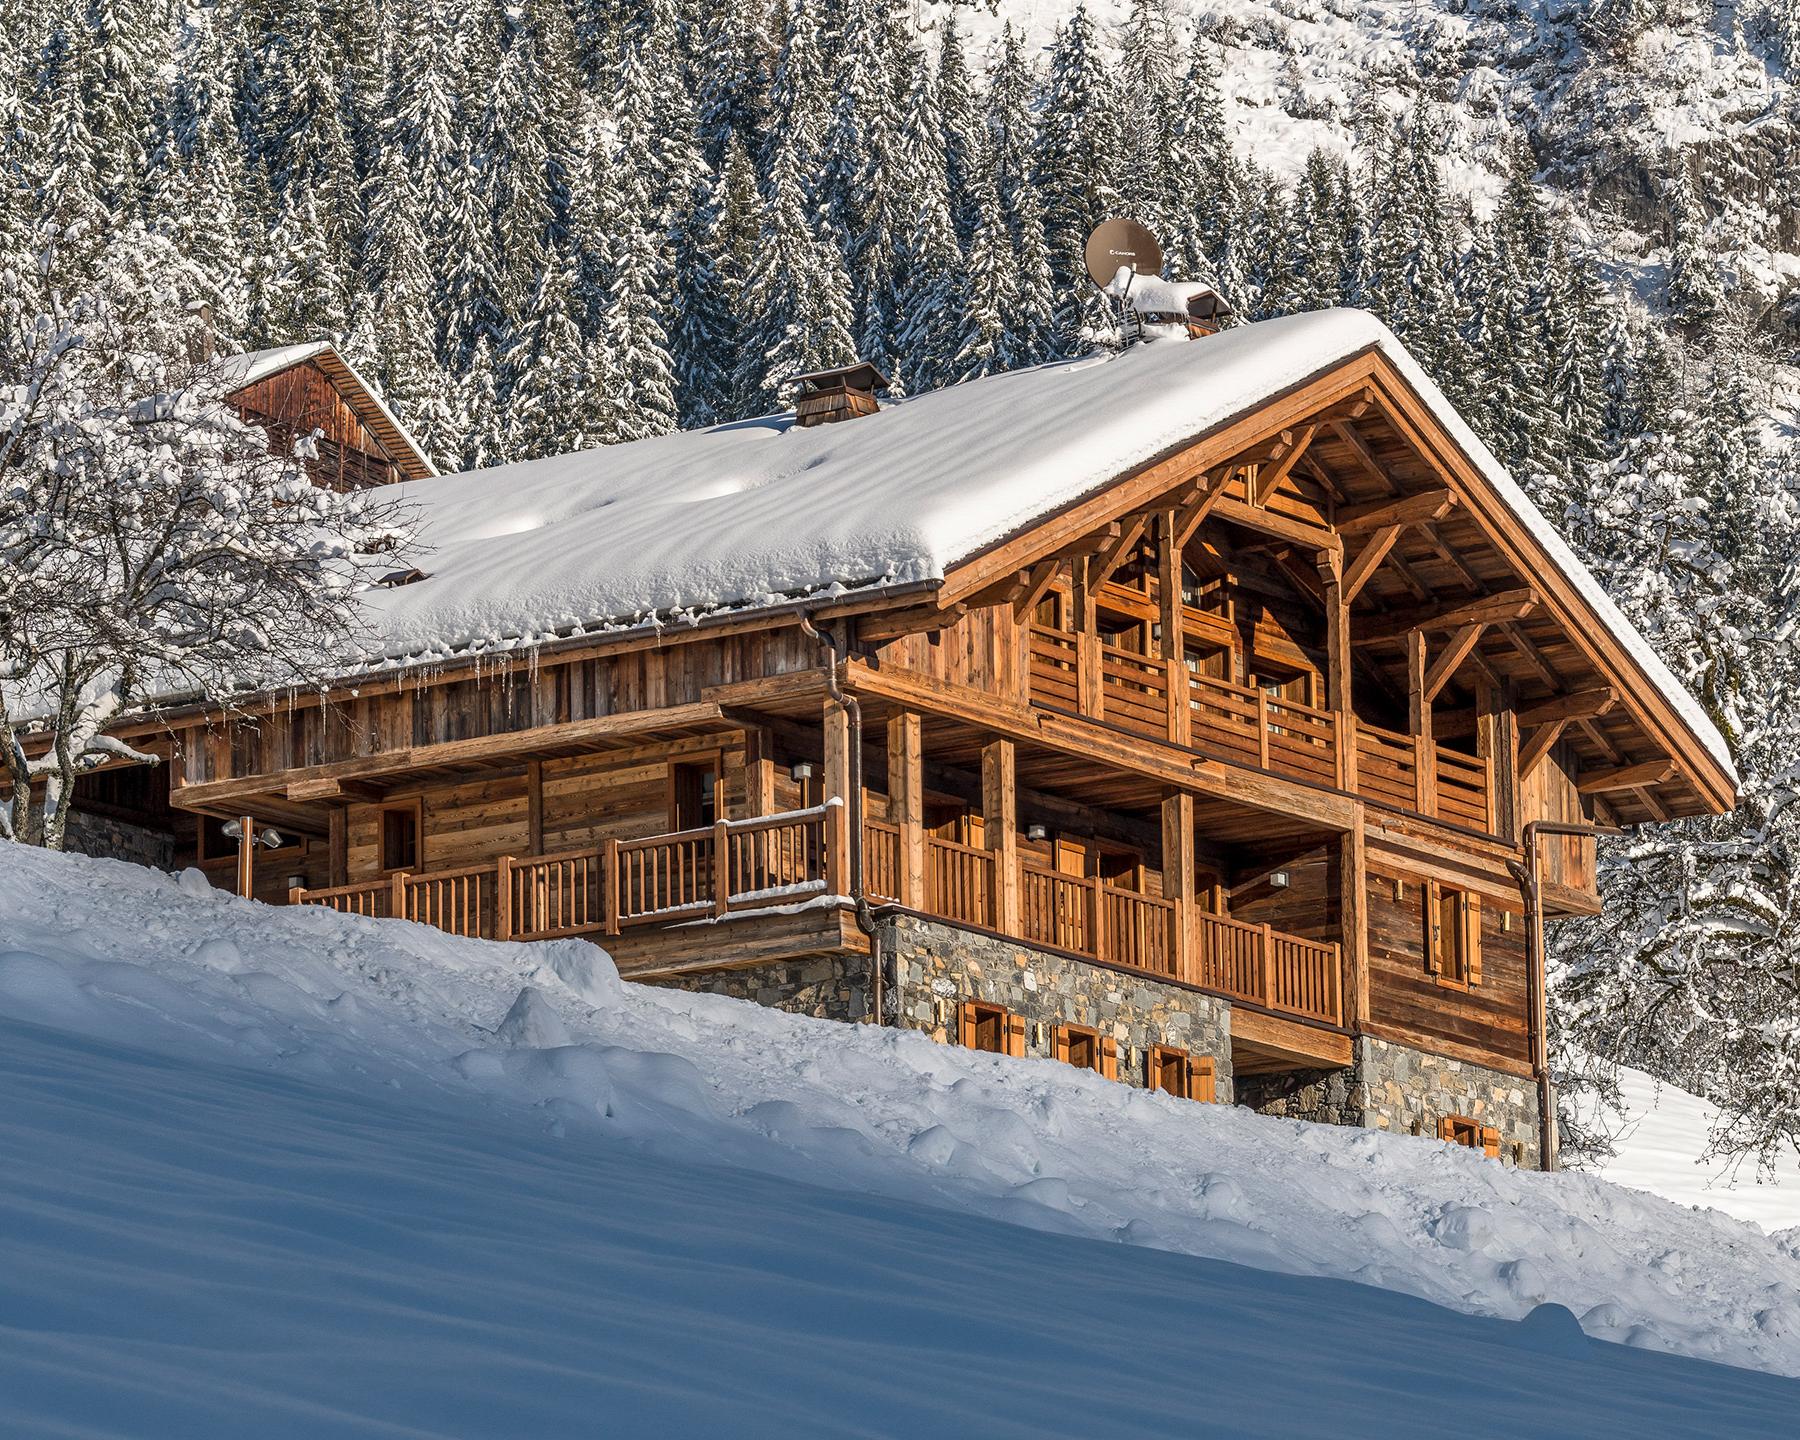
x=830, y=987
x=1407, y=1091
x=932, y=967
x=107, y=838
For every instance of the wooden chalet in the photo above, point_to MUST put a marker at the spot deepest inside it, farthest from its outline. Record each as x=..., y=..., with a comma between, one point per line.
x=1218, y=716
x=309, y=389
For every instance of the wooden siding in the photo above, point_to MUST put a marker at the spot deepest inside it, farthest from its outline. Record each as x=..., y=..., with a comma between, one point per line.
x=1407, y=1003
x=302, y=398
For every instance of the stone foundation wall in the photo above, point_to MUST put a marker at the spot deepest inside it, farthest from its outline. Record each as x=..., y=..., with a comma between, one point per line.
x=110, y=839
x=932, y=967
x=828, y=988
x=1406, y=1091
x=1326, y=1097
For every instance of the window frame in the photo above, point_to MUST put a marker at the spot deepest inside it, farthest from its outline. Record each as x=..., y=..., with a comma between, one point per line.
x=1453, y=939
x=1470, y=1134
x=1011, y=1027
x=1199, y=1073
x=414, y=809
x=708, y=762
x=1105, y=1049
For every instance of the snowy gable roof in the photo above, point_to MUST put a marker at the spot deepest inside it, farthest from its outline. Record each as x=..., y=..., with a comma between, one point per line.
x=238, y=372
x=760, y=511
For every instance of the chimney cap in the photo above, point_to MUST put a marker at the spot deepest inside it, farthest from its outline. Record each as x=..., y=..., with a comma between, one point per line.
x=858, y=375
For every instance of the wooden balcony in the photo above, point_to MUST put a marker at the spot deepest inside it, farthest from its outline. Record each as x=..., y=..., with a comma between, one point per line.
x=1162, y=699
x=739, y=867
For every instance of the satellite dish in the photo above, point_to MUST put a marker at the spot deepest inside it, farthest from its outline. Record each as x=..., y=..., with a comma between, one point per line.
x=1121, y=244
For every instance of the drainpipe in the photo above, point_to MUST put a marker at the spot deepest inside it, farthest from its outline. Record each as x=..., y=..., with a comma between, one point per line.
x=1526, y=873
x=852, y=708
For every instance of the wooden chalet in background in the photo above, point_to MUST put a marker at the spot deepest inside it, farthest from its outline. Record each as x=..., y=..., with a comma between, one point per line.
x=1217, y=716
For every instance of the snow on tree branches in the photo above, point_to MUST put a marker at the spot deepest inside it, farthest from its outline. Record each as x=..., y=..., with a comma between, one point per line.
x=151, y=540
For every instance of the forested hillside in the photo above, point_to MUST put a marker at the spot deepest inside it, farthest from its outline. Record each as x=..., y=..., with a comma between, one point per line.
x=545, y=226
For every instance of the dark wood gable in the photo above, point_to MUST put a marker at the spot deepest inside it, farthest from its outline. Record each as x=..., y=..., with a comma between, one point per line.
x=359, y=447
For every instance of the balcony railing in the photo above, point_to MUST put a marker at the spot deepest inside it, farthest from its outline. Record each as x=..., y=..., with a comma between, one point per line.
x=1247, y=726
x=739, y=866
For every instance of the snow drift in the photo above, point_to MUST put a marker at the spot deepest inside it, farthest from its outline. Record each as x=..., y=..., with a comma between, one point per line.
x=221, y=1118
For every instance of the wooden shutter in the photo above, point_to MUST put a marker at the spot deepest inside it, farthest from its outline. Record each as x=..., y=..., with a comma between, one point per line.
x=1490, y=1142
x=1471, y=946
x=1061, y=1048
x=1447, y=1129
x=1015, y=1034
x=1200, y=1079
x=1434, y=940
x=1109, y=1057
x=965, y=1024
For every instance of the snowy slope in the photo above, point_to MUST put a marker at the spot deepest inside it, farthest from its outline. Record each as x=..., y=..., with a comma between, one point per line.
x=256, y=1141
x=1659, y=1139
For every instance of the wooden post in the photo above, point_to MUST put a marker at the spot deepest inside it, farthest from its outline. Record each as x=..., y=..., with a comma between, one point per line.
x=1178, y=875
x=338, y=846
x=837, y=850
x=1497, y=743
x=246, y=866
x=906, y=802
x=836, y=722
x=1000, y=828
x=612, y=885
x=503, y=888
x=721, y=867
x=759, y=773
x=1262, y=728
x=1353, y=922
x=1338, y=666
x=397, y=895
x=1097, y=931
x=1266, y=945
x=534, y=808
x=1418, y=705
x=1089, y=685
x=1174, y=626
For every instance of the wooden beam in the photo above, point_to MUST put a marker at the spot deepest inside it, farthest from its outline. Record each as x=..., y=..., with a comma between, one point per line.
x=906, y=802
x=1000, y=828
x=1117, y=550
x=1581, y=705
x=1174, y=624
x=1453, y=654
x=330, y=790
x=1538, y=746
x=1410, y=510
x=1268, y=522
x=1626, y=777
x=1034, y=584
x=1365, y=457
x=1178, y=879
x=1488, y=610
x=1353, y=923
x=1269, y=481
x=1190, y=516
x=1368, y=560
x=835, y=720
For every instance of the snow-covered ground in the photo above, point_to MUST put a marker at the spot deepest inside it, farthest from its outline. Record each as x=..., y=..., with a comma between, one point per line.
x=1659, y=1139
x=274, y=1172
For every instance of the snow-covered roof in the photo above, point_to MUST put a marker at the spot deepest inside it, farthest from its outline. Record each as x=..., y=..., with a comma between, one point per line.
x=759, y=511
x=239, y=371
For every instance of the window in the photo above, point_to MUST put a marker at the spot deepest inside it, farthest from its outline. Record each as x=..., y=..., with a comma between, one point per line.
x=1461, y=1130
x=1452, y=934
x=1185, y=1076
x=693, y=795
x=990, y=1027
x=400, y=836
x=1087, y=1049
